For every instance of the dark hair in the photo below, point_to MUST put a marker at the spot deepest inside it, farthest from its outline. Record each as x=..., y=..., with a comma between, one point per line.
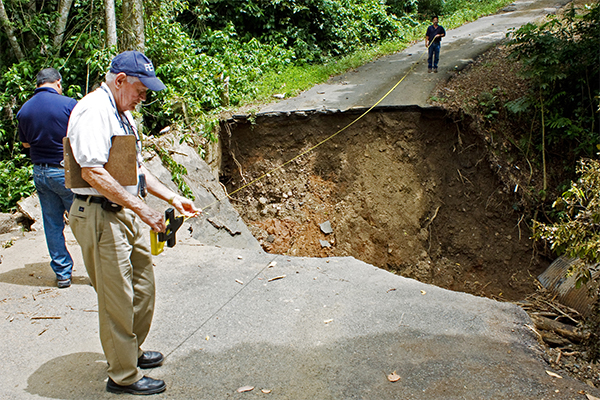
x=47, y=75
x=435, y=16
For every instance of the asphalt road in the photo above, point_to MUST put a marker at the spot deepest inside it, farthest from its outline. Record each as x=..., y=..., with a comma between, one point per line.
x=365, y=86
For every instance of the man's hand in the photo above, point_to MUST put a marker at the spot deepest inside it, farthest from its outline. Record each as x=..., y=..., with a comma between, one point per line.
x=185, y=206
x=154, y=219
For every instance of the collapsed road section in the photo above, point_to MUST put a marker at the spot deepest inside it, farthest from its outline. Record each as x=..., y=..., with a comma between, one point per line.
x=404, y=188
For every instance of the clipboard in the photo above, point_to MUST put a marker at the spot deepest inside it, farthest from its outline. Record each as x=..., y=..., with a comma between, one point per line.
x=122, y=163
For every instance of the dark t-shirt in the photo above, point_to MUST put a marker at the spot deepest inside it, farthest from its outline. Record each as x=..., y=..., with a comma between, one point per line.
x=431, y=32
x=43, y=121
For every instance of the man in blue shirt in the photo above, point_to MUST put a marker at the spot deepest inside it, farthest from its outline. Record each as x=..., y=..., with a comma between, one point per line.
x=43, y=121
x=433, y=40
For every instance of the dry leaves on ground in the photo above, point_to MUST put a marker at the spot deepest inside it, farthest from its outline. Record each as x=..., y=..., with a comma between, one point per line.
x=393, y=377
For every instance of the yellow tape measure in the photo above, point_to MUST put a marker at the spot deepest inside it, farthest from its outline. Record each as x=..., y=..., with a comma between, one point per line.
x=159, y=239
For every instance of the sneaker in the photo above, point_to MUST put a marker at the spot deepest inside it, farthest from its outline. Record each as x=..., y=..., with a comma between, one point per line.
x=63, y=283
x=428, y=70
x=435, y=70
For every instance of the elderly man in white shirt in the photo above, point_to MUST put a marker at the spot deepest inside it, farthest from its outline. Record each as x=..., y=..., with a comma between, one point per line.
x=105, y=220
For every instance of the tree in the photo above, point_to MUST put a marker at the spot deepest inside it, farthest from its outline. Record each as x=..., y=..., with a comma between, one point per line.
x=61, y=23
x=111, y=23
x=133, y=37
x=8, y=27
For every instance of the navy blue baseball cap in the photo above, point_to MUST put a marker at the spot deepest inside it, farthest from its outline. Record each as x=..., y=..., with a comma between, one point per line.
x=134, y=63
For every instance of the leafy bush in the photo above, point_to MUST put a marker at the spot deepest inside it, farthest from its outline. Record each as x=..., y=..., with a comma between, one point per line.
x=17, y=182
x=430, y=8
x=402, y=7
x=561, y=58
x=312, y=28
x=576, y=233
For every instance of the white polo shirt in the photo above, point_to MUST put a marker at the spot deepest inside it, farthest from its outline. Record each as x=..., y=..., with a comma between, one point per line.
x=93, y=123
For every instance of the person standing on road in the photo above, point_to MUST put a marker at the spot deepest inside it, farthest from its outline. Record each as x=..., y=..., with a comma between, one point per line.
x=106, y=221
x=433, y=41
x=43, y=123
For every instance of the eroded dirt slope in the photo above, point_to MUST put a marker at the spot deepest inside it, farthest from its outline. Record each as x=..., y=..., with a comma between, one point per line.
x=405, y=190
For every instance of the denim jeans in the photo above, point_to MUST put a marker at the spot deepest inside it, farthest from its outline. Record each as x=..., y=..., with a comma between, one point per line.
x=434, y=55
x=55, y=199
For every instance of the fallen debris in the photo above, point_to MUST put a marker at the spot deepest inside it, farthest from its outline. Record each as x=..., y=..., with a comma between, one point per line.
x=567, y=331
x=393, y=377
x=326, y=227
x=561, y=330
x=553, y=374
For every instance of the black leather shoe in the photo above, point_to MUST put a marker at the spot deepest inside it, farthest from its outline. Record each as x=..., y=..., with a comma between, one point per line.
x=150, y=359
x=145, y=385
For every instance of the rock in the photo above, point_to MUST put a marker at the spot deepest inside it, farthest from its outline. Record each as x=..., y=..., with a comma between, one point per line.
x=326, y=227
x=7, y=223
x=325, y=243
x=219, y=223
x=31, y=209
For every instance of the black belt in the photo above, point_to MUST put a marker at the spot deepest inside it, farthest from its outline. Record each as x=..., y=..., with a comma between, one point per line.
x=106, y=204
x=92, y=199
x=49, y=165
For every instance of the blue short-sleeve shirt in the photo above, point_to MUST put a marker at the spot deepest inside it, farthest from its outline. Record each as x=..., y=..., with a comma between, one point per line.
x=43, y=121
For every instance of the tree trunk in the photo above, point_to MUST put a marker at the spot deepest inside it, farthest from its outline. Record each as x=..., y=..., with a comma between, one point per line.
x=111, y=23
x=10, y=33
x=133, y=37
x=63, y=14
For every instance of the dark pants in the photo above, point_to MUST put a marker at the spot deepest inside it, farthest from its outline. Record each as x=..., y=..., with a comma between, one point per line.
x=434, y=55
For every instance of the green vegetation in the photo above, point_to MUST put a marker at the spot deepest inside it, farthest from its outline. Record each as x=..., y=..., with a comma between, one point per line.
x=212, y=55
x=17, y=181
x=560, y=58
x=177, y=172
x=576, y=234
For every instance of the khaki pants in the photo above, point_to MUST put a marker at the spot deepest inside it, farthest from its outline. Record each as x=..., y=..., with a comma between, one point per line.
x=119, y=264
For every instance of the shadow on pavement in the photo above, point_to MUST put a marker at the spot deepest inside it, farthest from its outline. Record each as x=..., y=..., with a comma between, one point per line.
x=37, y=274
x=430, y=368
x=75, y=376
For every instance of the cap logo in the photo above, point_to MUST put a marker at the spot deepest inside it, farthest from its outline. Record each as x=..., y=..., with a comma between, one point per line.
x=149, y=67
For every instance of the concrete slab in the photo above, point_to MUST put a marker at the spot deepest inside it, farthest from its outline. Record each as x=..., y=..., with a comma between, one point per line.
x=302, y=328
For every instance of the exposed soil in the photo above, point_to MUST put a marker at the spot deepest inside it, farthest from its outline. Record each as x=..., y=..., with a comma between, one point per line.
x=406, y=190
x=440, y=196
